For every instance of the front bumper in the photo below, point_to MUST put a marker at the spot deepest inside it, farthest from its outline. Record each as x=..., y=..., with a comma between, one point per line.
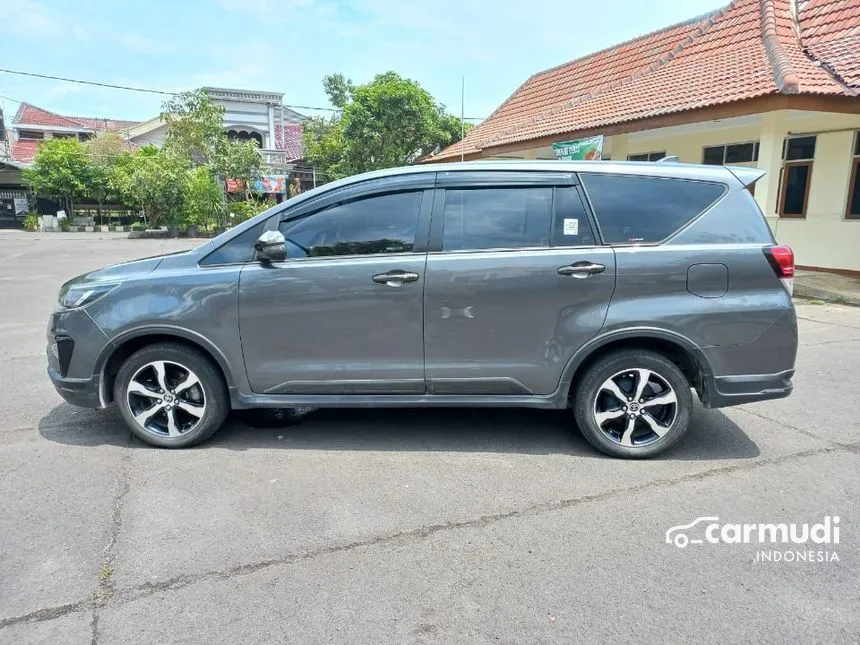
x=748, y=388
x=83, y=392
x=74, y=344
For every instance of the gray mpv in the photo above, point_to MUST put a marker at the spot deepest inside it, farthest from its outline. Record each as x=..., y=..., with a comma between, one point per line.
x=614, y=289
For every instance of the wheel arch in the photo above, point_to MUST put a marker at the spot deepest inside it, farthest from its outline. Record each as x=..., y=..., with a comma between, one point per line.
x=676, y=347
x=128, y=343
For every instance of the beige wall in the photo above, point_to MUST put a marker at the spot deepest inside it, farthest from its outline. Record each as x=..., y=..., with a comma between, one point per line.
x=824, y=238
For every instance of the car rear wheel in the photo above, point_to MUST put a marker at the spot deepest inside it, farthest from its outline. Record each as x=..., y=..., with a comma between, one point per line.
x=633, y=404
x=171, y=396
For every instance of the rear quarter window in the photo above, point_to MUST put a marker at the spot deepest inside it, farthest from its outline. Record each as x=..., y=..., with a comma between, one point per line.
x=640, y=210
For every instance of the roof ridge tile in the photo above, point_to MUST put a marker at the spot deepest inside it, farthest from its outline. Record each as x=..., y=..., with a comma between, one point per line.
x=783, y=71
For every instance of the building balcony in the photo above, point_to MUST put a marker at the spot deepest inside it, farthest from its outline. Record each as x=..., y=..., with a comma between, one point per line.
x=278, y=159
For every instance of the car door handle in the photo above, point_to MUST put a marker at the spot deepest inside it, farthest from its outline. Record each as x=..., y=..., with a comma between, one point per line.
x=582, y=269
x=395, y=278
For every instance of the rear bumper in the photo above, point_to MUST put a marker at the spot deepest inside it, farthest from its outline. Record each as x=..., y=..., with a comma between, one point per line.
x=81, y=392
x=748, y=388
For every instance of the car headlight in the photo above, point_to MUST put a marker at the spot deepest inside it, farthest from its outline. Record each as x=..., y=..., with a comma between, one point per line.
x=78, y=295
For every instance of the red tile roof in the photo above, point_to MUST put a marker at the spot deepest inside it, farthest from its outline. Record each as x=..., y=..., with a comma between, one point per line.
x=746, y=50
x=31, y=115
x=830, y=33
x=23, y=150
x=288, y=137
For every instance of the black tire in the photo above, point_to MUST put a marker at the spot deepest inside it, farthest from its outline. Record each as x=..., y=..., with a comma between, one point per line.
x=211, y=382
x=613, y=365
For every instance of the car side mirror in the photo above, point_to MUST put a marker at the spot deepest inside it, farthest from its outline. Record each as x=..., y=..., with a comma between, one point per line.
x=271, y=247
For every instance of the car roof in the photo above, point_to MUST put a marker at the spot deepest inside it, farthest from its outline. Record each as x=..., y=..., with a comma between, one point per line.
x=643, y=168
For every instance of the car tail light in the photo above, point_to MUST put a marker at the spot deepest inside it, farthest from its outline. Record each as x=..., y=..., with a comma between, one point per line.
x=781, y=260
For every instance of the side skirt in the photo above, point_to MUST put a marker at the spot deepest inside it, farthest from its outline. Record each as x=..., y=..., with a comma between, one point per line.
x=245, y=401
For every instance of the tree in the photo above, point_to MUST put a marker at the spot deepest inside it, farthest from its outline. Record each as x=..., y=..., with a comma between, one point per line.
x=238, y=160
x=390, y=121
x=104, y=151
x=202, y=198
x=62, y=170
x=339, y=90
x=325, y=148
x=154, y=180
x=194, y=127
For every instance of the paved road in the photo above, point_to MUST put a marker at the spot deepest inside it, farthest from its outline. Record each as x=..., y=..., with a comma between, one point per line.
x=408, y=526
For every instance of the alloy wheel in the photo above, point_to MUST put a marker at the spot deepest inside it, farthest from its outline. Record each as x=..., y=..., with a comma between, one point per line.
x=635, y=407
x=166, y=398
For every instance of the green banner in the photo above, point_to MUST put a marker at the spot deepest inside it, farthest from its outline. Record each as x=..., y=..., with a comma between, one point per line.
x=590, y=149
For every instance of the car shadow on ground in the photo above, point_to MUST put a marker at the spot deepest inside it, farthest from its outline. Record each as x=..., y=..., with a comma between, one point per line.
x=712, y=435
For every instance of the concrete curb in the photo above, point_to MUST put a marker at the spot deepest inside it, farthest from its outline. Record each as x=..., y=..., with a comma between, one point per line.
x=817, y=293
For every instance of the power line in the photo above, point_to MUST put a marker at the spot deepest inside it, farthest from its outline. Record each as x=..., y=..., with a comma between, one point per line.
x=129, y=88
x=82, y=82
x=9, y=98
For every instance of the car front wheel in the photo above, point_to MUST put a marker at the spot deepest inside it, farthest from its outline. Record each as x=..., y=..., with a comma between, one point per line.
x=171, y=396
x=633, y=404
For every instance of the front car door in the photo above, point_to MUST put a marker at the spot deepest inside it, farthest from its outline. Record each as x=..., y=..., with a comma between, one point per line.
x=344, y=313
x=516, y=282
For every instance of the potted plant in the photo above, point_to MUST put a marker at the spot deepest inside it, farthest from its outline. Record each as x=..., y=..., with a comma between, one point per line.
x=31, y=223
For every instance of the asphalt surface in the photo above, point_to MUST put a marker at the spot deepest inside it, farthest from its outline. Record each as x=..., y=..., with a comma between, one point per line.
x=409, y=526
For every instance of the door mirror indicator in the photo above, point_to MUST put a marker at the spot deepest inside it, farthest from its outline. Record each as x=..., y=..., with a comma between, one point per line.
x=271, y=247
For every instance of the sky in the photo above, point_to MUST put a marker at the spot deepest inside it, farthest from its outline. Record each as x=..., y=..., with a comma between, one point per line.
x=290, y=45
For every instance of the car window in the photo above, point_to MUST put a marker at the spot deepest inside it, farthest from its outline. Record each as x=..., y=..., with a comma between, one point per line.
x=374, y=225
x=489, y=218
x=571, y=226
x=239, y=249
x=635, y=210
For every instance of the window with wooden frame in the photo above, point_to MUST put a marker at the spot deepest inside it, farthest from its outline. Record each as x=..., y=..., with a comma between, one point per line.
x=795, y=176
x=852, y=210
x=647, y=156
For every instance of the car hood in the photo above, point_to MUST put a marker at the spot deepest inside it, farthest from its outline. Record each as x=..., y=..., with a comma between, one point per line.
x=122, y=271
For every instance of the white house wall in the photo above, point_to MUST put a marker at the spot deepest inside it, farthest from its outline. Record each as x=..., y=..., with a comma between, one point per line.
x=153, y=137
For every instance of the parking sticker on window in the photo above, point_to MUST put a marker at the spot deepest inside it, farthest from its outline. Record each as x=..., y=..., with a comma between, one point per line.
x=571, y=226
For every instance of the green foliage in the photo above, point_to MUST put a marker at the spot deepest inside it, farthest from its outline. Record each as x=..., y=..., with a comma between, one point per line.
x=31, y=222
x=202, y=198
x=62, y=170
x=246, y=209
x=194, y=127
x=324, y=147
x=65, y=224
x=138, y=226
x=105, y=152
x=154, y=181
x=339, y=90
x=238, y=159
x=391, y=121
x=195, y=133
